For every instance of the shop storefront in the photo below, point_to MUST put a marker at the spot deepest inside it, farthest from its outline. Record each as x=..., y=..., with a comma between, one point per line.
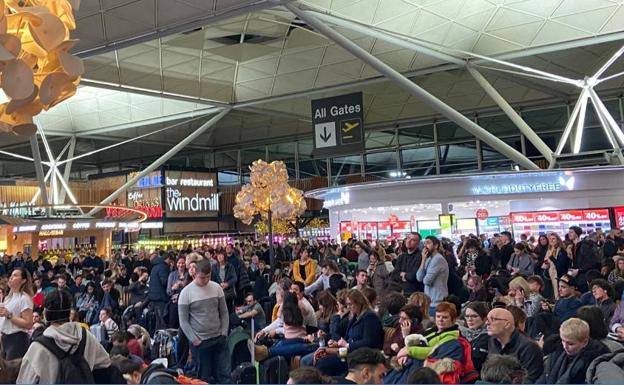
x=523, y=202
x=176, y=201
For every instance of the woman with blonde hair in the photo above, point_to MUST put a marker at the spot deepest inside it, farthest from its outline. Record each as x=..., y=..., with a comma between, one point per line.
x=16, y=315
x=423, y=301
x=556, y=263
x=520, y=295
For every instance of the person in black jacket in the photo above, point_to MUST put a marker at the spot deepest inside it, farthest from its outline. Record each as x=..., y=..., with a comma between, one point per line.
x=407, y=265
x=157, y=288
x=503, y=255
x=585, y=257
x=569, y=365
x=224, y=274
x=505, y=339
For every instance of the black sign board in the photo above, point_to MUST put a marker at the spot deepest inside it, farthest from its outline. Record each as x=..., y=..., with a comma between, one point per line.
x=338, y=124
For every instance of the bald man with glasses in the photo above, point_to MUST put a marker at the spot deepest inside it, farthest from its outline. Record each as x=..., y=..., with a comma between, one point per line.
x=506, y=340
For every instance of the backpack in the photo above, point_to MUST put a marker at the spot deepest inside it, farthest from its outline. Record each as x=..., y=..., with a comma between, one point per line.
x=245, y=373
x=73, y=368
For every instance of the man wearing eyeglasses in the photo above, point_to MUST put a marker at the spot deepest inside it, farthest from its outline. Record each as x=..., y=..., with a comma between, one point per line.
x=506, y=340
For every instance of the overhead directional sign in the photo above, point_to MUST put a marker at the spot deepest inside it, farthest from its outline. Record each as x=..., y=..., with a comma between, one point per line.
x=338, y=124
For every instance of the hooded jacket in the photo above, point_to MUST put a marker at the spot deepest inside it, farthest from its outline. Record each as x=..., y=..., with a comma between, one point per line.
x=606, y=369
x=157, y=289
x=563, y=369
x=39, y=366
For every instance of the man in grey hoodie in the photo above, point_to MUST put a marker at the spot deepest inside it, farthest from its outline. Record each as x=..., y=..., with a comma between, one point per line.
x=39, y=365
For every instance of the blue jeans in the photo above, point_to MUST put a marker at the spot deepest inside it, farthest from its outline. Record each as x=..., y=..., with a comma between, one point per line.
x=307, y=360
x=432, y=311
x=291, y=347
x=214, y=361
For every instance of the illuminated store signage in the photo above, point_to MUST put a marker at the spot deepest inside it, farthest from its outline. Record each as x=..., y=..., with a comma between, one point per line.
x=190, y=194
x=555, y=185
x=148, y=181
x=619, y=217
x=21, y=229
x=16, y=209
x=51, y=233
x=176, y=201
x=53, y=226
x=105, y=225
x=561, y=216
x=190, y=182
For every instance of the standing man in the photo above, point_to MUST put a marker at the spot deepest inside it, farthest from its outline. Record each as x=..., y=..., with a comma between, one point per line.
x=204, y=320
x=407, y=265
x=363, y=259
x=433, y=272
x=157, y=289
x=584, y=257
x=506, y=249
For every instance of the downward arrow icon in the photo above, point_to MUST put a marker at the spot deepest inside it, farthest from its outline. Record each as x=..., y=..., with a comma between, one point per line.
x=325, y=136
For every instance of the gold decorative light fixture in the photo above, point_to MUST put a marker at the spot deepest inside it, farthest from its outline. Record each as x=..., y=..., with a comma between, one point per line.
x=37, y=70
x=269, y=196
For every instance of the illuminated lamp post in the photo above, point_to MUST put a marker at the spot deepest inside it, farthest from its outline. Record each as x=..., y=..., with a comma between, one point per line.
x=269, y=197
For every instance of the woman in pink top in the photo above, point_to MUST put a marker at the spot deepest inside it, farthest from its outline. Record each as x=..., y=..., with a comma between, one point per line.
x=295, y=341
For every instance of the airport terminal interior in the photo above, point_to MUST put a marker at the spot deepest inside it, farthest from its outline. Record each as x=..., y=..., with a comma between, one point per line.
x=312, y=191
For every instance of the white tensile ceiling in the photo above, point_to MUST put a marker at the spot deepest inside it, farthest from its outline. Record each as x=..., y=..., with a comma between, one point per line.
x=272, y=60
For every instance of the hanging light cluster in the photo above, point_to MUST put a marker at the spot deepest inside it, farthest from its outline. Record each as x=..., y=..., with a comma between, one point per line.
x=268, y=191
x=38, y=72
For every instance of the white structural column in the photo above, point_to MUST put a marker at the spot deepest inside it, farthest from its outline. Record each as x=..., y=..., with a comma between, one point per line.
x=512, y=115
x=162, y=159
x=433, y=102
x=34, y=145
x=68, y=165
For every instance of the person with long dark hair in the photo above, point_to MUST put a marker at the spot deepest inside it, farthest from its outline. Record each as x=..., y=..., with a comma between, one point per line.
x=16, y=315
x=294, y=342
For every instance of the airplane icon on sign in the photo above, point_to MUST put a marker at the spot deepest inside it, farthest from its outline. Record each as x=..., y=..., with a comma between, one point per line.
x=350, y=126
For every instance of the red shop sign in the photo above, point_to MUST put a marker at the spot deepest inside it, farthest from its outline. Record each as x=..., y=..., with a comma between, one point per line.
x=596, y=215
x=571, y=216
x=482, y=214
x=547, y=217
x=619, y=217
x=523, y=218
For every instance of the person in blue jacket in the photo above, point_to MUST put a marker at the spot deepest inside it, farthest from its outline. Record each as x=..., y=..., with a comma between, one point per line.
x=157, y=291
x=567, y=304
x=364, y=330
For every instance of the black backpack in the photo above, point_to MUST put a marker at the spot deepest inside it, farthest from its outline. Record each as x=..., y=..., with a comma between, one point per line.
x=73, y=368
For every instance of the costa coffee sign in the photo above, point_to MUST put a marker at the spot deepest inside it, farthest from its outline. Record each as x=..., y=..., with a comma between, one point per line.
x=598, y=215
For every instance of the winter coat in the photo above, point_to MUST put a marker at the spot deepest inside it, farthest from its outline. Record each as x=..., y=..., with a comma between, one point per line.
x=606, y=369
x=525, y=350
x=230, y=275
x=562, y=369
x=365, y=331
x=379, y=278
x=566, y=308
x=522, y=262
x=157, y=291
x=408, y=263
